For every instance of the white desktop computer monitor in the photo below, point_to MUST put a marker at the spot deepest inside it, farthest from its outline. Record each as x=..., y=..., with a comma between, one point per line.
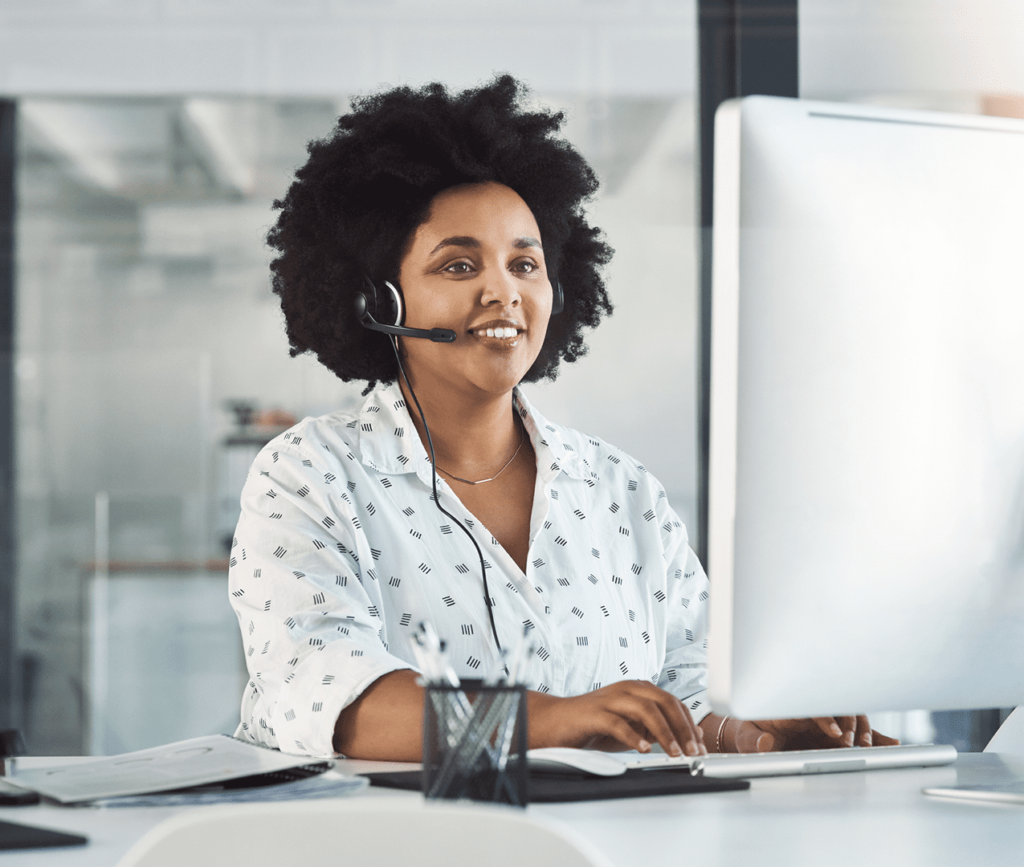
x=866, y=482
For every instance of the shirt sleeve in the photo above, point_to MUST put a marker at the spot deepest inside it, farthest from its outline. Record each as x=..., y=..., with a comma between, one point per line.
x=308, y=605
x=684, y=672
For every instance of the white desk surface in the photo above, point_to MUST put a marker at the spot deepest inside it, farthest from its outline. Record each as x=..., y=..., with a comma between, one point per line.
x=863, y=819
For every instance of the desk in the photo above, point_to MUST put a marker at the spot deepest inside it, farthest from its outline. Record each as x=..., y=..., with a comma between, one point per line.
x=858, y=819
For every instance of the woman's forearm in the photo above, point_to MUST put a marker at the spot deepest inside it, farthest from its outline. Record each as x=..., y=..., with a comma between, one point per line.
x=385, y=722
x=714, y=734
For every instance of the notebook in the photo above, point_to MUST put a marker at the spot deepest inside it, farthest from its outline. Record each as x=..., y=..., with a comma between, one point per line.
x=1006, y=793
x=216, y=759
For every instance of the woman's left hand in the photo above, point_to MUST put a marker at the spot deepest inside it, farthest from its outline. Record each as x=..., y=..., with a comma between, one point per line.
x=761, y=736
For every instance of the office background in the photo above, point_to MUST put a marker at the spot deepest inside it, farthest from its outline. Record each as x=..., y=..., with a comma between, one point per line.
x=145, y=142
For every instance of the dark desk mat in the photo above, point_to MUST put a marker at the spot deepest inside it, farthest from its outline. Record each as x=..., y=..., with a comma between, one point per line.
x=550, y=787
x=16, y=836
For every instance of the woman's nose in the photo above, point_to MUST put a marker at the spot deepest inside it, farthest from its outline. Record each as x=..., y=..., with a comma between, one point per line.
x=500, y=288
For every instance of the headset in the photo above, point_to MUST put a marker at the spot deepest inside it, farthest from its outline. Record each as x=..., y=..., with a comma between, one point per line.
x=384, y=312
x=371, y=307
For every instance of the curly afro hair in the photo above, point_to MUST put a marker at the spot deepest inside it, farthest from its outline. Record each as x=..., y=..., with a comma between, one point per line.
x=366, y=188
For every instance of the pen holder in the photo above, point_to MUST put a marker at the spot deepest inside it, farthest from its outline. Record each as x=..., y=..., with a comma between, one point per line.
x=469, y=732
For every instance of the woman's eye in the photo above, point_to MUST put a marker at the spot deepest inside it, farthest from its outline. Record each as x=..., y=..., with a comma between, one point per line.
x=525, y=266
x=458, y=268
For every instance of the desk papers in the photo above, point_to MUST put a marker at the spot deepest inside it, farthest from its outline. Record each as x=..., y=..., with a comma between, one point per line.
x=226, y=768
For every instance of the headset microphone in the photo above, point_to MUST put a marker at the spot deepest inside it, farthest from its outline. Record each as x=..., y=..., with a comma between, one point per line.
x=394, y=300
x=438, y=335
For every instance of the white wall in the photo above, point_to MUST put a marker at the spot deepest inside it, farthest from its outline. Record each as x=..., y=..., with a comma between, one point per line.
x=858, y=48
x=310, y=47
x=307, y=47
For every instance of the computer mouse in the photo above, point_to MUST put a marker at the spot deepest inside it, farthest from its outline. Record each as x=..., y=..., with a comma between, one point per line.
x=570, y=759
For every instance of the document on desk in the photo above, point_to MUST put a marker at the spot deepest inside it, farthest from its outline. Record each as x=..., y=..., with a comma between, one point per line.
x=1004, y=793
x=215, y=759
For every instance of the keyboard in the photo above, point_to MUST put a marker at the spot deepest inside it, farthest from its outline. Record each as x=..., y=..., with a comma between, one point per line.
x=744, y=765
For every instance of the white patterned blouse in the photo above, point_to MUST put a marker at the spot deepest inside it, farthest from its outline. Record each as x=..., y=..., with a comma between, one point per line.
x=340, y=552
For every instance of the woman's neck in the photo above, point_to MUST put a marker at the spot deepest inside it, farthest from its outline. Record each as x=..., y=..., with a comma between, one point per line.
x=473, y=435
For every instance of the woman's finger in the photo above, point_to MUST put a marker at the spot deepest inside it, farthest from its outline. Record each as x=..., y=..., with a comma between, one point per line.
x=663, y=716
x=623, y=715
x=687, y=732
x=748, y=737
x=829, y=726
x=863, y=732
x=880, y=740
x=671, y=719
x=849, y=726
x=620, y=729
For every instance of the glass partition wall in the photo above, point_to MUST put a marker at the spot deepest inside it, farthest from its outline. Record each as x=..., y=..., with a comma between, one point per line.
x=152, y=364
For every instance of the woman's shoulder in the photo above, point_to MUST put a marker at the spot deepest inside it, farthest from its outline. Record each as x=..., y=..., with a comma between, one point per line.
x=626, y=487
x=320, y=437
x=594, y=458
x=374, y=437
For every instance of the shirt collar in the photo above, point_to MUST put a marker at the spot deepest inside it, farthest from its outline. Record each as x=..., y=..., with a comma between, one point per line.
x=387, y=438
x=555, y=453
x=388, y=442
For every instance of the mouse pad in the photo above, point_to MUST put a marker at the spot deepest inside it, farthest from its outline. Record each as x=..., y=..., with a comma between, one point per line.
x=17, y=836
x=550, y=787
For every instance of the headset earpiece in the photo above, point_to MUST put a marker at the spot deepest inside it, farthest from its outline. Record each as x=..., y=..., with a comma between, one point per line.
x=390, y=310
x=384, y=312
x=385, y=308
x=395, y=304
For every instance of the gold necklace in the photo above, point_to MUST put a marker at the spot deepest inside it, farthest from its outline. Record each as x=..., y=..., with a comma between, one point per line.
x=522, y=439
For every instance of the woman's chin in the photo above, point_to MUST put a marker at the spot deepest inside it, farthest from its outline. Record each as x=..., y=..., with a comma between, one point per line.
x=505, y=376
x=479, y=373
x=496, y=385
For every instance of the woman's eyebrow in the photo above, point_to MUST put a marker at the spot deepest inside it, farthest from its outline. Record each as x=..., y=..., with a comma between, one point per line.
x=468, y=241
x=456, y=241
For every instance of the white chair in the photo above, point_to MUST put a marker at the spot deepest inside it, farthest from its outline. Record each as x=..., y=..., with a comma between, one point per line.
x=368, y=830
x=1010, y=737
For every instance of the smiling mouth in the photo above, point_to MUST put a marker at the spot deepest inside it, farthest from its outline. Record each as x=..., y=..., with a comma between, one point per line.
x=499, y=332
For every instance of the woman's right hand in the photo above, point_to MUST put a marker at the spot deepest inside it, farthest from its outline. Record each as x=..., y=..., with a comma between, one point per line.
x=628, y=715
x=766, y=735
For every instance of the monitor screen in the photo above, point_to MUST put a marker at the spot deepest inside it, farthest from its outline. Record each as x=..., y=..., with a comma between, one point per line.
x=866, y=500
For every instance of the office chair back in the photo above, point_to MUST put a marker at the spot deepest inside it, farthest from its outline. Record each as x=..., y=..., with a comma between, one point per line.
x=373, y=830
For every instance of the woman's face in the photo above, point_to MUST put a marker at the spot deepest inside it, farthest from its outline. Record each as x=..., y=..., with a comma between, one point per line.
x=476, y=266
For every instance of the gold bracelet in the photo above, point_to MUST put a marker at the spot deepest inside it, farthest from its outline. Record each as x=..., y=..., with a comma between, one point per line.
x=718, y=737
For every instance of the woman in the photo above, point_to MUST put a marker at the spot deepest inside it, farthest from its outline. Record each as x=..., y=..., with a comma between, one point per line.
x=454, y=225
